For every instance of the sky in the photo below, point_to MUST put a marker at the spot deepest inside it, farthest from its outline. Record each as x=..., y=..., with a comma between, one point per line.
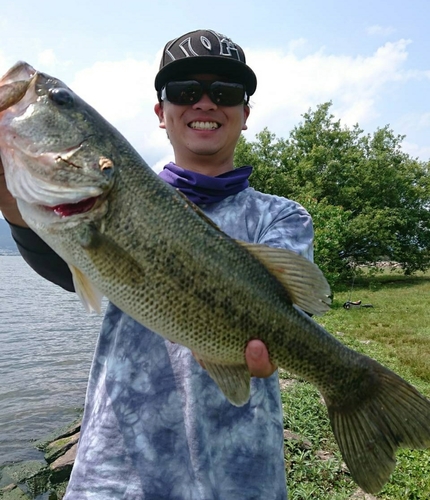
x=370, y=58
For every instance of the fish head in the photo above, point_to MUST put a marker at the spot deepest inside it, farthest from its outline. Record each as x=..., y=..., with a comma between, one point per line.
x=55, y=148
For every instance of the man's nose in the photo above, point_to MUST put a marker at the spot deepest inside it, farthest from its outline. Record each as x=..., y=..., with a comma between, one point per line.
x=204, y=103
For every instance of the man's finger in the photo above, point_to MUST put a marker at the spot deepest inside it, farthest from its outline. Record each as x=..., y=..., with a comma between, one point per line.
x=257, y=359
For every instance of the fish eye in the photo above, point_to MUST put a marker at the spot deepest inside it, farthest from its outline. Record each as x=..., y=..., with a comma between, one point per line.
x=61, y=96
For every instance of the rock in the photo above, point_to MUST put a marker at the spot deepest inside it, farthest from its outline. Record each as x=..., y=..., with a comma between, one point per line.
x=285, y=383
x=64, y=432
x=72, y=429
x=43, y=479
x=31, y=477
x=19, y=473
x=359, y=494
x=8, y=488
x=12, y=492
x=62, y=467
x=301, y=442
x=59, y=447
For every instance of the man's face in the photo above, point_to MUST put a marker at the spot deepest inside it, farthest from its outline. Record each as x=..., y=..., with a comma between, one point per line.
x=203, y=131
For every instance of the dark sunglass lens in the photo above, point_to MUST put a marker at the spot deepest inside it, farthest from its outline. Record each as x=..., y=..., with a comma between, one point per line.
x=227, y=94
x=188, y=92
x=191, y=91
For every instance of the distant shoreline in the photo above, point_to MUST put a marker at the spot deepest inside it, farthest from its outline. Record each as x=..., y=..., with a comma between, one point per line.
x=7, y=243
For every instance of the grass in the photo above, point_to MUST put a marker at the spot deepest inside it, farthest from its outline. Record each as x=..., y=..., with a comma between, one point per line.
x=396, y=332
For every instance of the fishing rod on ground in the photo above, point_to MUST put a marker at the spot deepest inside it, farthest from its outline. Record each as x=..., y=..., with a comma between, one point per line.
x=356, y=304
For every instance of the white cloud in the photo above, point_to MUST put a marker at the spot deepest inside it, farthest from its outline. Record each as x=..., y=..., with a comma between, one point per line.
x=119, y=90
x=47, y=58
x=288, y=85
x=415, y=125
x=416, y=151
x=5, y=64
x=123, y=92
x=416, y=121
x=376, y=29
x=158, y=166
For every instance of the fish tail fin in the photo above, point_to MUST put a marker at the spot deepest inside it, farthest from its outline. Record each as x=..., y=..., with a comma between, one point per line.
x=394, y=415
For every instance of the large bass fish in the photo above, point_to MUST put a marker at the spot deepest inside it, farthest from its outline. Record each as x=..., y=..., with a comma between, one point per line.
x=128, y=235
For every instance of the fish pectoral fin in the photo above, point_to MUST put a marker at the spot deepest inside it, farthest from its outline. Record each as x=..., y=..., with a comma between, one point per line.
x=86, y=291
x=233, y=380
x=110, y=259
x=303, y=280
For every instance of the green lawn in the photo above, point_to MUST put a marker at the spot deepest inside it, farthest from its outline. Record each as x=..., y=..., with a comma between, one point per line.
x=396, y=332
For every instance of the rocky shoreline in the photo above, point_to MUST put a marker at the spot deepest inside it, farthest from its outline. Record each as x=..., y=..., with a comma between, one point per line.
x=47, y=479
x=43, y=479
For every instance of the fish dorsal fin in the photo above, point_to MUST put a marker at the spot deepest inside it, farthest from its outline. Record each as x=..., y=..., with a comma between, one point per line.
x=86, y=291
x=303, y=280
x=233, y=380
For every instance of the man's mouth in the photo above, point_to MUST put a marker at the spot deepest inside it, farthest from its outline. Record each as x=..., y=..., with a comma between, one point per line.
x=204, y=125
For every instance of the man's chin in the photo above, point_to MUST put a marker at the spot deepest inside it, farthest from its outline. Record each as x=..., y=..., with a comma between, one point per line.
x=205, y=151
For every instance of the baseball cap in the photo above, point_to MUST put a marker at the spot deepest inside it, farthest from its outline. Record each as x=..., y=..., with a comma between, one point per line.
x=204, y=51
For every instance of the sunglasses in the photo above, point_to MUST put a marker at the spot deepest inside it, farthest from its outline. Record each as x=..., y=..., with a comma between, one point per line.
x=191, y=91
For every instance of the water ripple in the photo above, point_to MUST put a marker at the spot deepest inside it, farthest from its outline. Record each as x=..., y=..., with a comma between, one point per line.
x=47, y=341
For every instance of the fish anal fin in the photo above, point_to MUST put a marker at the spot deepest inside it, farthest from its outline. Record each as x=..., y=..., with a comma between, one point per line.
x=302, y=279
x=90, y=297
x=233, y=380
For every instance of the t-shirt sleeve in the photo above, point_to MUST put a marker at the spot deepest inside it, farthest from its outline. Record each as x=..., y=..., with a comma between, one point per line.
x=289, y=226
x=40, y=257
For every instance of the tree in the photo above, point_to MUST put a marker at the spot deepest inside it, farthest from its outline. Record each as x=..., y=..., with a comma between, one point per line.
x=369, y=200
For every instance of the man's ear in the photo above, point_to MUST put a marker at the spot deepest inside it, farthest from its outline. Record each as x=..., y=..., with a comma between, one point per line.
x=246, y=111
x=159, y=111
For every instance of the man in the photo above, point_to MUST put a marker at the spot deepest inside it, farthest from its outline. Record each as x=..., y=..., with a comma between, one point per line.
x=155, y=425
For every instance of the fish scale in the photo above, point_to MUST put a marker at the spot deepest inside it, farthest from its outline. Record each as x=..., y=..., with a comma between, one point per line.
x=129, y=236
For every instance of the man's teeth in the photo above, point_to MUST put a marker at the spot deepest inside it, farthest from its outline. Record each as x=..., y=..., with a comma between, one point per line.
x=204, y=125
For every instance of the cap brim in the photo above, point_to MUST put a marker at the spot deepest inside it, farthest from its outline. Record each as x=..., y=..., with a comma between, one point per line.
x=232, y=68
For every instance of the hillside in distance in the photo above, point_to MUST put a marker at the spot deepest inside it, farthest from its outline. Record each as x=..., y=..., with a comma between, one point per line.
x=7, y=245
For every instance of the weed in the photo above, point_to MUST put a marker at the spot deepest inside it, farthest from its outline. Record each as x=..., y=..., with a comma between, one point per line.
x=396, y=332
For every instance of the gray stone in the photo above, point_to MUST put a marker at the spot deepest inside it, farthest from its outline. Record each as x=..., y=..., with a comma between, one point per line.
x=59, y=434
x=12, y=492
x=59, y=447
x=301, y=442
x=62, y=467
x=18, y=473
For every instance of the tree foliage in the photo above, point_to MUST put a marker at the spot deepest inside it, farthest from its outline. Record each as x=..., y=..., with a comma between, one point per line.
x=369, y=200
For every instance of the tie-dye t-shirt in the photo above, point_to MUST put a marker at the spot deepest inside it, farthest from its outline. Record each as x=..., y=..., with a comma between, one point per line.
x=156, y=426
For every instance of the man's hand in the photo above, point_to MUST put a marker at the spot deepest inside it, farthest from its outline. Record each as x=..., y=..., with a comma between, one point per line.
x=8, y=204
x=257, y=359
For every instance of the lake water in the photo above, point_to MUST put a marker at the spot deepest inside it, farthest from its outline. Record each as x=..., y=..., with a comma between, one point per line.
x=47, y=341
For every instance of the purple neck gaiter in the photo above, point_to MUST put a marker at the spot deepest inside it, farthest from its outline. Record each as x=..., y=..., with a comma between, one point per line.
x=201, y=189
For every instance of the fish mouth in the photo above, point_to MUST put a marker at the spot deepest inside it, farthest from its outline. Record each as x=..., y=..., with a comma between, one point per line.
x=78, y=208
